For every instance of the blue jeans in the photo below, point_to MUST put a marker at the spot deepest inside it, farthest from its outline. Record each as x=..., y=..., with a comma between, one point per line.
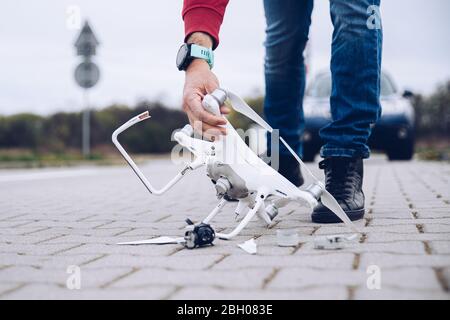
x=355, y=69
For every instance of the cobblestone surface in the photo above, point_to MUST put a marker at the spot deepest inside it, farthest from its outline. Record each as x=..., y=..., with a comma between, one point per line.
x=51, y=219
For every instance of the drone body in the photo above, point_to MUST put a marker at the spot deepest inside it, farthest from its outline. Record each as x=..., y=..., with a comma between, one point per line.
x=237, y=172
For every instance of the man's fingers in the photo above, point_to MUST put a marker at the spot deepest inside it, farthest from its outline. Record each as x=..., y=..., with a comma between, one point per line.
x=211, y=119
x=225, y=110
x=204, y=116
x=204, y=122
x=211, y=86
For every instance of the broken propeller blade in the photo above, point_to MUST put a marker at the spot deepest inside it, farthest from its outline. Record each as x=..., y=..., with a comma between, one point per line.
x=158, y=240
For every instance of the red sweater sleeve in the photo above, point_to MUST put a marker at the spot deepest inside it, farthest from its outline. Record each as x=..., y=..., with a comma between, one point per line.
x=205, y=16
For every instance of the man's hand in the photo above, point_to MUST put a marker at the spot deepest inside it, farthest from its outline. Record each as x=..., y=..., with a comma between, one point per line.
x=200, y=81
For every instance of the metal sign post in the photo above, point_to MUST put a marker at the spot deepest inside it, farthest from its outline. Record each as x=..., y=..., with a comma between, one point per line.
x=86, y=128
x=87, y=75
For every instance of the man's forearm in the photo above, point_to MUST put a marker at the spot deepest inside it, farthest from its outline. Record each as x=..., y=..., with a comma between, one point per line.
x=201, y=38
x=204, y=16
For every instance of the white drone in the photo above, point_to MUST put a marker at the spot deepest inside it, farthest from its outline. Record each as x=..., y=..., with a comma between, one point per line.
x=237, y=172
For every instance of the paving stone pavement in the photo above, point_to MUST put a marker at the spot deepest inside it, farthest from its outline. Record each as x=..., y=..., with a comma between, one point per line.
x=51, y=219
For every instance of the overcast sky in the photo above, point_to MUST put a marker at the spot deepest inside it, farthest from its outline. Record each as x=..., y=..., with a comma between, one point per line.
x=140, y=38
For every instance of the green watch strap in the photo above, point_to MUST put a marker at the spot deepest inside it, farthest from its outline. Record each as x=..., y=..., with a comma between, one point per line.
x=202, y=53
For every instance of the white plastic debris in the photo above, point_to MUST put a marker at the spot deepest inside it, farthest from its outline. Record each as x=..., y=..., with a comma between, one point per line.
x=287, y=237
x=158, y=240
x=249, y=246
x=334, y=242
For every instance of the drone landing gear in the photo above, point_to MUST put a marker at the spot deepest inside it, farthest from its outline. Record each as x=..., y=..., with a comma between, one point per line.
x=259, y=202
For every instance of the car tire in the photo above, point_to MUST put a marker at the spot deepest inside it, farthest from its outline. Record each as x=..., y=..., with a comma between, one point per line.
x=402, y=151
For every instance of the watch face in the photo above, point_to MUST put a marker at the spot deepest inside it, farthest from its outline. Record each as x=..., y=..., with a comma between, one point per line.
x=182, y=54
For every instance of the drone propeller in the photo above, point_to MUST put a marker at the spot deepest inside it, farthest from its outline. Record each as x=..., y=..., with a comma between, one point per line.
x=240, y=106
x=327, y=199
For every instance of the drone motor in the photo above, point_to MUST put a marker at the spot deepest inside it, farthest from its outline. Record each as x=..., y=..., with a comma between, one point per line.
x=200, y=235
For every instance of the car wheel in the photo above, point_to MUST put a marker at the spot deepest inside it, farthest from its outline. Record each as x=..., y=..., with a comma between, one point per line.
x=402, y=151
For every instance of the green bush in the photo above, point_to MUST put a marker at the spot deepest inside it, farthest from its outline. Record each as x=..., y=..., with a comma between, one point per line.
x=433, y=113
x=21, y=130
x=62, y=131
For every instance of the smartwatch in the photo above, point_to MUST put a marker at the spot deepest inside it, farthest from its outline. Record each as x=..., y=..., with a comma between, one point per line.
x=190, y=51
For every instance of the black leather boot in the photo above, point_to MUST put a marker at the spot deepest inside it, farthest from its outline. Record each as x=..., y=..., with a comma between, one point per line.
x=343, y=179
x=290, y=169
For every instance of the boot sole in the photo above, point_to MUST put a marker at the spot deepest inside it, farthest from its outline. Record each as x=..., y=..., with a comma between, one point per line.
x=329, y=217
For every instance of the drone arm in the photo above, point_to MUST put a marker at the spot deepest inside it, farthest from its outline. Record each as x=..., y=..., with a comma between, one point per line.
x=143, y=116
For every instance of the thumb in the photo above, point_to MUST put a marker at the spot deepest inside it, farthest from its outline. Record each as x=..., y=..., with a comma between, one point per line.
x=210, y=86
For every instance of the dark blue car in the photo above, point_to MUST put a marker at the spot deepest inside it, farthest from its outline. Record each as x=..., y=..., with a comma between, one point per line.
x=393, y=133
